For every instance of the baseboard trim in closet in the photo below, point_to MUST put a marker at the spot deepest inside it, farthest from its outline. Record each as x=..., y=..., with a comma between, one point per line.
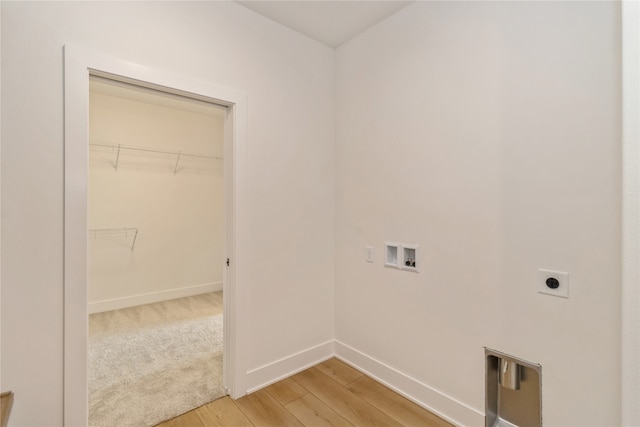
x=439, y=403
x=134, y=300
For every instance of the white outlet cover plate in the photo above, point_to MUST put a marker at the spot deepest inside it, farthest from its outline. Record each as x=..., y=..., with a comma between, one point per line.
x=561, y=276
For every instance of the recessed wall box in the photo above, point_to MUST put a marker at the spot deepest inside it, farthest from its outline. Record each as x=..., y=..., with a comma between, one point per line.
x=513, y=390
x=409, y=257
x=391, y=255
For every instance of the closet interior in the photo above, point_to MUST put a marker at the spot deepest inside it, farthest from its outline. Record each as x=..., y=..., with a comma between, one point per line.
x=155, y=252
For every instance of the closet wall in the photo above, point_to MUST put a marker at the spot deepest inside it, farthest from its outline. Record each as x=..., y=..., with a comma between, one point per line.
x=155, y=220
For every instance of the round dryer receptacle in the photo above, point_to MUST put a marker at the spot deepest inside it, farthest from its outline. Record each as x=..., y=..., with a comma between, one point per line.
x=552, y=283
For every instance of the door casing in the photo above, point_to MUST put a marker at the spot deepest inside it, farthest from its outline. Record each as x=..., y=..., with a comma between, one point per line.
x=79, y=64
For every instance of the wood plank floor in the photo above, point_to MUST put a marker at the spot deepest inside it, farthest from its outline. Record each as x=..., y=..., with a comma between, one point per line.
x=329, y=394
x=6, y=401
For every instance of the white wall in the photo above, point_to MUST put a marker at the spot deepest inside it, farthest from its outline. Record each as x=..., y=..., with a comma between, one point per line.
x=178, y=248
x=289, y=82
x=488, y=133
x=0, y=208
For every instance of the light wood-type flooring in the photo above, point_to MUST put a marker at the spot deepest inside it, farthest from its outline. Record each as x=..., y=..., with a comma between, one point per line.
x=329, y=394
x=6, y=401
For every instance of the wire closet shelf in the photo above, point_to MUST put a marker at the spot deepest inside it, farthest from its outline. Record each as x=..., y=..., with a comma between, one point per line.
x=118, y=148
x=124, y=233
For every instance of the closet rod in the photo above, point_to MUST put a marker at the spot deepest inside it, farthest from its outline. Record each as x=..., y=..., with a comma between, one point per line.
x=153, y=150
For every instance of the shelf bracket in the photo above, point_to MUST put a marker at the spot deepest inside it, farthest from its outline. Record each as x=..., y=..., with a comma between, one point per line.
x=175, y=169
x=117, y=156
x=135, y=236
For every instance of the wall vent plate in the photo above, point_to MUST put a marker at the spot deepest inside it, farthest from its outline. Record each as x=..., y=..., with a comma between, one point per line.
x=551, y=282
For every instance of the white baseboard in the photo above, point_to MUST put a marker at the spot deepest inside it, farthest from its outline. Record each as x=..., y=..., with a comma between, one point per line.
x=273, y=372
x=134, y=300
x=429, y=398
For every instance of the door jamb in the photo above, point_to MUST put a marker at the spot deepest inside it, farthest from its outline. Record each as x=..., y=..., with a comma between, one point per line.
x=630, y=304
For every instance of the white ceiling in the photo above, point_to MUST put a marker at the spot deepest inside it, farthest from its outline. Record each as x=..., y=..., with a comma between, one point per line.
x=327, y=21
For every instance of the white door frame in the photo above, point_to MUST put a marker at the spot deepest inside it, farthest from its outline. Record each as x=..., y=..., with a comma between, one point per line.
x=79, y=63
x=630, y=363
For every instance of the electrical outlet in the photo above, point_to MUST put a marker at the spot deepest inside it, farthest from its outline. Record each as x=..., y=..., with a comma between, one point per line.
x=368, y=253
x=551, y=282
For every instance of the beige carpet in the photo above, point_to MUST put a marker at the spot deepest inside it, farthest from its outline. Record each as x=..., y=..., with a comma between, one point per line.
x=153, y=362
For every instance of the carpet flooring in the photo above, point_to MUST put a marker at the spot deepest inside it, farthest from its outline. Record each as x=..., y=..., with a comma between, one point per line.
x=153, y=362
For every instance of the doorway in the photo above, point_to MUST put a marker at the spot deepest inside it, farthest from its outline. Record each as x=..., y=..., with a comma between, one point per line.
x=155, y=253
x=80, y=64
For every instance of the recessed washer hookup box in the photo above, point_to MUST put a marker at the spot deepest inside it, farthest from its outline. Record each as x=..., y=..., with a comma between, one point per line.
x=513, y=390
